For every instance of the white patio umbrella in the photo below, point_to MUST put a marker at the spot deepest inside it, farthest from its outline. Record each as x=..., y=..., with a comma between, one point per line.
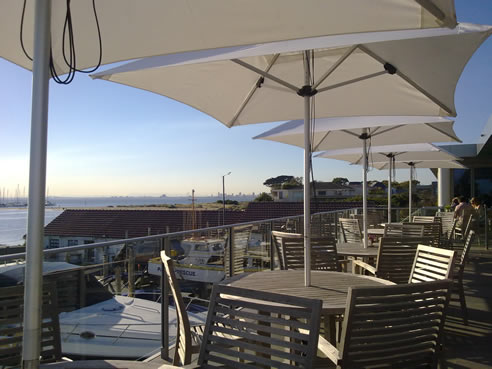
x=390, y=154
x=418, y=164
x=116, y=30
x=354, y=132
x=400, y=72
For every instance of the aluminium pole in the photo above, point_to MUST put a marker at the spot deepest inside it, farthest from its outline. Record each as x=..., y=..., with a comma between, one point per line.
x=364, y=187
x=33, y=280
x=410, y=194
x=307, y=166
x=389, y=185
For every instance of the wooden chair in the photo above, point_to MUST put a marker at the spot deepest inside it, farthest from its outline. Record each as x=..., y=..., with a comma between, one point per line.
x=188, y=338
x=405, y=230
x=395, y=258
x=290, y=251
x=458, y=274
x=434, y=230
x=423, y=219
x=11, y=325
x=447, y=222
x=351, y=230
x=235, y=250
x=431, y=264
x=396, y=326
x=275, y=331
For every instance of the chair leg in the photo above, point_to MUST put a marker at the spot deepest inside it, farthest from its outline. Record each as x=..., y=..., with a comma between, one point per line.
x=464, y=310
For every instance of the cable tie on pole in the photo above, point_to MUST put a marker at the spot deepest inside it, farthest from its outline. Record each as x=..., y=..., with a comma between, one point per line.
x=260, y=81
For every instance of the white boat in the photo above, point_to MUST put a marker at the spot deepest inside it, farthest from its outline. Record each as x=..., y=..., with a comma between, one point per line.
x=117, y=327
x=202, y=261
x=122, y=327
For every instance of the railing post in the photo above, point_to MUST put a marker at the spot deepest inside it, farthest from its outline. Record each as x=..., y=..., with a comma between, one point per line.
x=165, y=244
x=117, y=276
x=231, y=251
x=131, y=270
x=272, y=257
x=486, y=228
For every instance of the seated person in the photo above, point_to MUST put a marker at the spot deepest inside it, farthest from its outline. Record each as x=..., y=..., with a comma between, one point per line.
x=462, y=212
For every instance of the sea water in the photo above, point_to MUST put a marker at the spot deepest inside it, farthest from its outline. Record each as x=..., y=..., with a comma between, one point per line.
x=13, y=221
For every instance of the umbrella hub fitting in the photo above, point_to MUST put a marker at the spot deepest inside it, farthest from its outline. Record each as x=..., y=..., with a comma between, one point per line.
x=307, y=90
x=365, y=136
x=390, y=68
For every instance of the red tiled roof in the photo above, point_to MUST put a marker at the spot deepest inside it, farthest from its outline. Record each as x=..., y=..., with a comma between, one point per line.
x=114, y=223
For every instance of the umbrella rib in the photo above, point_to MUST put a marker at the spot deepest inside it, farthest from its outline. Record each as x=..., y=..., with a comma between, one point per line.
x=350, y=133
x=385, y=130
x=335, y=66
x=350, y=81
x=266, y=75
x=441, y=131
x=450, y=112
x=319, y=143
x=251, y=92
x=432, y=8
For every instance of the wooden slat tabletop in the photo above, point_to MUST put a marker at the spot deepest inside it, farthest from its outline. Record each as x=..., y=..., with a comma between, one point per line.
x=330, y=287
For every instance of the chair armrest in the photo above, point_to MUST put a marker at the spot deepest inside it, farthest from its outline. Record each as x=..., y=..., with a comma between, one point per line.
x=328, y=349
x=365, y=266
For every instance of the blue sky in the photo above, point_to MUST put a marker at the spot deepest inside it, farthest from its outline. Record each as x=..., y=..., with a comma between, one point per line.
x=108, y=139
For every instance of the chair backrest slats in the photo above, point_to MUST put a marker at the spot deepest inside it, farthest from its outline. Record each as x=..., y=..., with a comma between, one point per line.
x=290, y=250
x=432, y=264
x=351, y=230
x=423, y=219
x=405, y=230
x=240, y=239
x=398, y=326
x=247, y=329
x=396, y=256
x=11, y=325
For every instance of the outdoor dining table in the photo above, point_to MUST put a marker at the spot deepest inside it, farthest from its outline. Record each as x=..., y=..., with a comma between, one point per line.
x=329, y=287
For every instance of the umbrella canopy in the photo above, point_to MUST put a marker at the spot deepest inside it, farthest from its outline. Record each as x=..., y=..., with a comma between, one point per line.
x=346, y=132
x=354, y=132
x=358, y=74
x=390, y=154
x=392, y=73
x=418, y=164
x=132, y=29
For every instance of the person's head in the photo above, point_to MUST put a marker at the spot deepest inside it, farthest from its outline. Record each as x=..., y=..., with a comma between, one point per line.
x=455, y=201
x=475, y=202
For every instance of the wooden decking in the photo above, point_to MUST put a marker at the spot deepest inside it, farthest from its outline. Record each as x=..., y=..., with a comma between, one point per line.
x=470, y=346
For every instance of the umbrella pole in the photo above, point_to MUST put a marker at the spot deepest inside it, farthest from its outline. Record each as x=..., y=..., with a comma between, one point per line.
x=410, y=194
x=364, y=186
x=307, y=166
x=37, y=185
x=389, y=186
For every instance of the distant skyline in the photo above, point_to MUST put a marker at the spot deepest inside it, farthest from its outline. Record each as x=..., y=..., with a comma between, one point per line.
x=106, y=139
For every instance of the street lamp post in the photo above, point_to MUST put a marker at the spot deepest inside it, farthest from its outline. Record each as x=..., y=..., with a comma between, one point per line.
x=223, y=197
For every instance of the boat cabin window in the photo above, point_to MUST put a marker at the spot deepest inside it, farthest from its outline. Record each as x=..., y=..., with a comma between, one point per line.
x=201, y=247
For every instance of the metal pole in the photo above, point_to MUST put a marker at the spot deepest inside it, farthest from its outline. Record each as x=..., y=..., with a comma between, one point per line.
x=410, y=194
x=223, y=198
x=307, y=185
x=37, y=185
x=389, y=186
x=364, y=187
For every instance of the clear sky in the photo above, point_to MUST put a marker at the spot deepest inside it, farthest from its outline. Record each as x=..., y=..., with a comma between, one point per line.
x=108, y=139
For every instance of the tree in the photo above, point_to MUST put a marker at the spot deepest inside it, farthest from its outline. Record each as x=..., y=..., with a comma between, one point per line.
x=283, y=181
x=264, y=197
x=340, y=180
